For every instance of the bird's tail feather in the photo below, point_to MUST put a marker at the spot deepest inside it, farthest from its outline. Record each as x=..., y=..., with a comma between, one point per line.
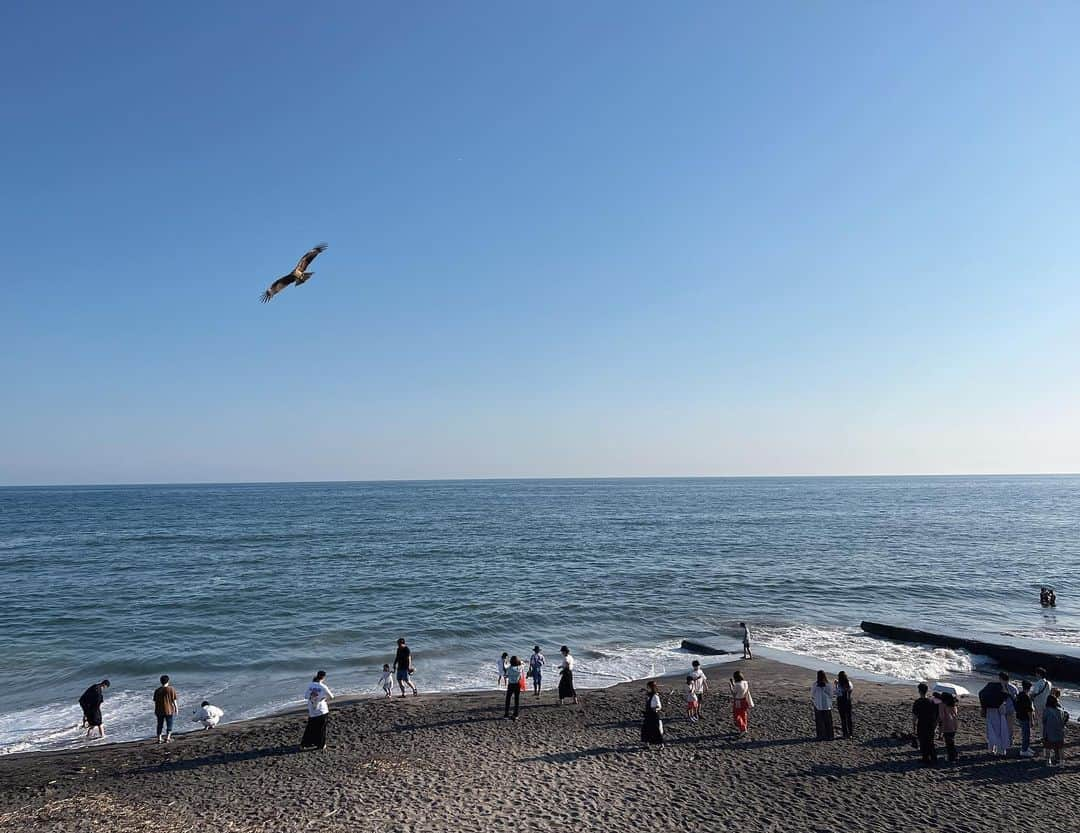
x=266, y=296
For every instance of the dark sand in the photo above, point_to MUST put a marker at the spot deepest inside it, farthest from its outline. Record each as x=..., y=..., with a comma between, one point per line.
x=450, y=762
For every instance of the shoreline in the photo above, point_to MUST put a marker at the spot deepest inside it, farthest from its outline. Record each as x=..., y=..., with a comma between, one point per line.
x=449, y=761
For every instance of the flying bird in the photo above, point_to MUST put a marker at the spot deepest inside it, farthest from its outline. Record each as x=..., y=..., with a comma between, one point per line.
x=297, y=275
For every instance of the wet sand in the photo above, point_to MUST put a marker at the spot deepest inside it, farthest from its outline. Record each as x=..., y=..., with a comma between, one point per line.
x=450, y=762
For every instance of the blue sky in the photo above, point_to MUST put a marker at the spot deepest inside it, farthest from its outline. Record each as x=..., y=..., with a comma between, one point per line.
x=600, y=239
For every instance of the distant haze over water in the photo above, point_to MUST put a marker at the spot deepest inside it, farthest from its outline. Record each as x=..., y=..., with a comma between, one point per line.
x=241, y=591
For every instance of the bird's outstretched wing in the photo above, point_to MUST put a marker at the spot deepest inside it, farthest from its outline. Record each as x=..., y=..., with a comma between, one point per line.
x=305, y=261
x=277, y=286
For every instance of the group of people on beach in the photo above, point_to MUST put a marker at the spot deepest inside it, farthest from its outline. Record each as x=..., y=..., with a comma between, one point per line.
x=1034, y=704
x=166, y=707
x=513, y=675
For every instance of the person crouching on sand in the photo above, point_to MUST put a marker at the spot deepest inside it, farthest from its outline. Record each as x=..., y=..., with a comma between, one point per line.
x=317, y=697
x=821, y=697
x=652, y=727
x=209, y=716
x=741, y=702
x=691, y=699
x=386, y=681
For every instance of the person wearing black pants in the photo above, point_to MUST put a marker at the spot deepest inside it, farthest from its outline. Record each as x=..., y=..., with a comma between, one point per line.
x=925, y=712
x=842, y=692
x=514, y=677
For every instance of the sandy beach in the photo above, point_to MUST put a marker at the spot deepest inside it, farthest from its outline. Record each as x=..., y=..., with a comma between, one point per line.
x=451, y=762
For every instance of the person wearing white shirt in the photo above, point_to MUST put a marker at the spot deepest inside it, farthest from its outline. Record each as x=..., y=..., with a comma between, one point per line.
x=566, y=677
x=209, y=716
x=501, y=664
x=317, y=697
x=1040, y=690
x=701, y=683
x=386, y=681
x=822, y=697
x=652, y=727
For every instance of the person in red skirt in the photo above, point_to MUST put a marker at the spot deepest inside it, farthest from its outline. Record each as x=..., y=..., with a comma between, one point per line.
x=741, y=702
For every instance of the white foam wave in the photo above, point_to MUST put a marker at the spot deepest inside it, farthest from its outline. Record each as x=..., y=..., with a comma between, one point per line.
x=853, y=648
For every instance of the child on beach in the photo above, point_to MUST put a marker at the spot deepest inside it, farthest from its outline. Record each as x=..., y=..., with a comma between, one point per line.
x=691, y=699
x=949, y=722
x=386, y=681
x=1053, y=729
x=209, y=716
x=501, y=665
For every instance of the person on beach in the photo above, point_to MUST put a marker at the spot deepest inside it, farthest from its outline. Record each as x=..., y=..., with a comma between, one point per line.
x=386, y=681
x=566, y=677
x=842, y=692
x=1040, y=690
x=1053, y=731
x=692, y=704
x=1024, y=711
x=746, y=652
x=166, y=704
x=652, y=727
x=701, y=684
x=536, y=669
x=741, y=702
x=317, y=697
x=821, y=697
x=992, y=697
x=208, y=715
x=90, y=701
x=403, y=667
x=501, y=665
x=949, y=722
x=515, y=676
x=925, y=715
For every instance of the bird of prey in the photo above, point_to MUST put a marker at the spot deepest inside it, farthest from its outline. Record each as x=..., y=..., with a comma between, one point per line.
x=297, y=275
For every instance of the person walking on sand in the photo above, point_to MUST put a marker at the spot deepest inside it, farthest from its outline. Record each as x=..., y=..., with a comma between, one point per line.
x=317, y=698
x=821, y=697
x=746, y=652
x=501, y=664
x=842, y=691
x=652, y=727
x=386, y=681
x=566, y=677
x=1024, y=712
x=692, y=704
x=949, y=721
x=208, y=715
x=166, y=704
x=1040, y=690
x=515, y=676
x=701, y=684
x=1053, y=731
x=90, y=701
x=741, y=702
x=403, y=667
x=536, y=668
x=924, y=714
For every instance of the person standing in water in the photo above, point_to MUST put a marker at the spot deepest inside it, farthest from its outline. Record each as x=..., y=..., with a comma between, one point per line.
x=746, y=652
x=842, y=691
x=652, y=727
x=500, y=665
x=566, y=677
x=536, y=668
x=403, y=667
x=317, y=697
x=91, y=701
x=166, y=704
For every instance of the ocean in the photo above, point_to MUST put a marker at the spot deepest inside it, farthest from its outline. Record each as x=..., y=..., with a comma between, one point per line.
x=240, y=592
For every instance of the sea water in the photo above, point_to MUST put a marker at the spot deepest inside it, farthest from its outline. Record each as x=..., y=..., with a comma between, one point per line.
x=240, y=592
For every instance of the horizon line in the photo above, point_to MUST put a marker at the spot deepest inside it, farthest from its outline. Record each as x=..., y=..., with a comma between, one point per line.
x=527, y=478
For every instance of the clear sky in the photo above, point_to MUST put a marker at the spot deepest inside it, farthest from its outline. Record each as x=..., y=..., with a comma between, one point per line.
x=565, y=240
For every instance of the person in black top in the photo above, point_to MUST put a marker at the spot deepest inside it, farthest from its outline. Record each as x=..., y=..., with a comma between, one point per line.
x=91, y=701
x=925, y=712
x=1024, y=710
x=403, y=667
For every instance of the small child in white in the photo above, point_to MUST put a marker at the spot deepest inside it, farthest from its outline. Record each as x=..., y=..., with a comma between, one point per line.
x=386, y=681
x=691, y=699
x=208, y=715
x=502, y=665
